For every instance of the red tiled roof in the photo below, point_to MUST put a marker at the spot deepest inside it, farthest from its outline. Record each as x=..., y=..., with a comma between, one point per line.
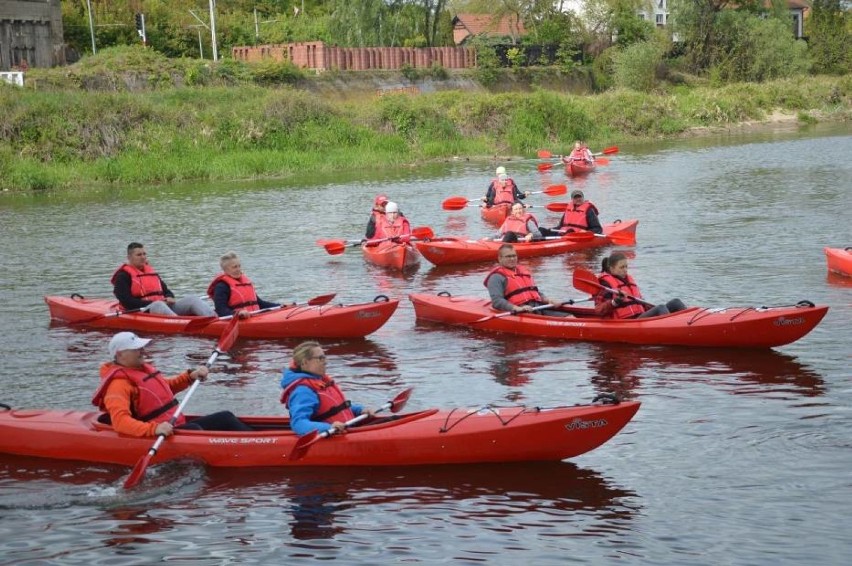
x=488, y=24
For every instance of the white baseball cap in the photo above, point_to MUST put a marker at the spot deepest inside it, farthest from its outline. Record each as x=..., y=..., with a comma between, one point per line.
x=391, y=207
x=500, y=171
x=126, y=341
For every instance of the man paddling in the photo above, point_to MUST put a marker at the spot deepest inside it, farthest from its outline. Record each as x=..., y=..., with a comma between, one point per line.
x=137, y=285
x=503, y=190
x=513, y=289
x=580, y=214
x=140, y=401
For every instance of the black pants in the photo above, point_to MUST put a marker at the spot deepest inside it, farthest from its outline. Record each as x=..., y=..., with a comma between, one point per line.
x=223, y=420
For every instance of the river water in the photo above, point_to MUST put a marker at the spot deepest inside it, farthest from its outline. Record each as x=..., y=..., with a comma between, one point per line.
x=734, y=458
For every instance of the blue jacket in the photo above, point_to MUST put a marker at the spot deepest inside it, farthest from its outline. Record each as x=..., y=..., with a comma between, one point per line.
x=303, y=403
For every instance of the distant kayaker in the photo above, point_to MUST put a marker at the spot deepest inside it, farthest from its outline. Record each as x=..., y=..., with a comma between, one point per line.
x=394, y=225
x=136, y=285
x=503, y=190
x=580, y=214
x=579, y=153
x=377, y=213
x=519, y=225
x=140, y=401
x=615, y=303
x=232, y=290
x=512, y=287
x=312, y=398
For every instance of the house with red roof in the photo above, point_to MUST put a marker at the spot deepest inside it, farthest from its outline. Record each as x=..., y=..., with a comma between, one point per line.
x=467, y=26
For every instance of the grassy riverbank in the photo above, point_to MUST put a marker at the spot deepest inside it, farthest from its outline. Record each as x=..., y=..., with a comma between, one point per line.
x=69, y=139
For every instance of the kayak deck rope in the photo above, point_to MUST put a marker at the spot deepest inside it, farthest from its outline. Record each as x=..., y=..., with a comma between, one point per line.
x=494, y=410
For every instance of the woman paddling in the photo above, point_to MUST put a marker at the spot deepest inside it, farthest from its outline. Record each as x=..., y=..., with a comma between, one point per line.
x=614, y=302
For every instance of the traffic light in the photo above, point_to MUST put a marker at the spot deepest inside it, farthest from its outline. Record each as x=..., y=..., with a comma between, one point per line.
x=139, y=23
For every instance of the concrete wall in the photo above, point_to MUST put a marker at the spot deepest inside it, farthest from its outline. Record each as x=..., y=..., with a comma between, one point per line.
x=318, y=55
x=31, y=34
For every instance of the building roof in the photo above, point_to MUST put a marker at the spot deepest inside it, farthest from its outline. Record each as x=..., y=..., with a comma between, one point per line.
x=489, y=24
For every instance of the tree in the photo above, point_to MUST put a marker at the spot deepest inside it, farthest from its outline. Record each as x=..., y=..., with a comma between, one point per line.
x=828, y=36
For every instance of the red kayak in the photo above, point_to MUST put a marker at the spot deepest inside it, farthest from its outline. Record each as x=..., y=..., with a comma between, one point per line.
x=449, y=250
x=839, y=260
x=400, y=257
x=455, y=436
x=495, y=214
x=578, y=168
x=732, y=327
x=324, y=321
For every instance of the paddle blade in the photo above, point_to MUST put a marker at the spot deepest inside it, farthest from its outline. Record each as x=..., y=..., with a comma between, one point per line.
x=454, y=203
x=335, y=248
x=322, y=300
x=610, y=150
x=199, y=323
x=138, y=471
x=556, y=206
x=545, y=166
x=585, y=281
x=601, y=161
x=422, y=233
x=623, y=238
x=302, y=445
x=398, y=402
x=555, y=190
x=544, y=154
x=229, y=335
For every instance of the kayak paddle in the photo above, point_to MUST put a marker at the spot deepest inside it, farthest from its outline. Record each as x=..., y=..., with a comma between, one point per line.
x=458, y=203
x=586, y=281
x=538, y=308
x=544, y=154
x=337, y=247
x=225, y=343
x=317, y=301
x=111, y=314
x=305, y=442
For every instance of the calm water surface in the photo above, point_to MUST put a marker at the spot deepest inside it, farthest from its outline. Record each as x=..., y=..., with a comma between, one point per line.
x=734, y=457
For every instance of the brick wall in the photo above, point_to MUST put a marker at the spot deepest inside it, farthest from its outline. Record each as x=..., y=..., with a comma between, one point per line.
x=318, y=55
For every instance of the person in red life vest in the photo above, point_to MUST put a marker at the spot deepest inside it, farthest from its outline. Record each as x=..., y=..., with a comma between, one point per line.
x=503, y=190
x=394, y=225
x=580, y=214
x=140, y=401
x=512, y=287
x=613, y=302
x=232, y=291
x=579, y=153
x=519, y=225
x=137, y=285
x=376, y=214
x=312, y=398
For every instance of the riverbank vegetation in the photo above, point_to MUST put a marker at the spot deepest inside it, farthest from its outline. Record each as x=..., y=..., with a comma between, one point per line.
x=70, y=138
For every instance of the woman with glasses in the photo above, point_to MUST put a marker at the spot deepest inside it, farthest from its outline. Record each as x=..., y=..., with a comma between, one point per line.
x=314, y=400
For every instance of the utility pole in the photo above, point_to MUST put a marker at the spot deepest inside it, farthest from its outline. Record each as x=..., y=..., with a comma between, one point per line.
x=213, y=29
x=91, y=26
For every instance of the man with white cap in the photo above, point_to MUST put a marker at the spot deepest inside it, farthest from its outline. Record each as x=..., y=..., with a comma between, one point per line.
x=137, y=285
x=394, y=225
x=503, y=190
x=140, y=401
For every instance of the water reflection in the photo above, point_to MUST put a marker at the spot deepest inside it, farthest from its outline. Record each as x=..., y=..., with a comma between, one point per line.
x=837, y=280
x=324, y=503
x=622, y=368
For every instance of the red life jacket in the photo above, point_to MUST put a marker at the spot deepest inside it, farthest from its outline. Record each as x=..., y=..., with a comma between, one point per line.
x=155, y=402
x=630, y=308
x=575, y=216
x=144, y=283
x=503, y=192
x=333, y=406
x=399, y=227
x=517, y=225
x=520, y=286
x=243, y=295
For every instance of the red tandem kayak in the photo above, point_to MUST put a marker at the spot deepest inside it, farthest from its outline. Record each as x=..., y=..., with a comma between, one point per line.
x=578, y=168
x=839, y=260
x=451, y=250
x=391, y=255
x=495, y=214
x=323, y=321
x=457, y=436
x=732, y=327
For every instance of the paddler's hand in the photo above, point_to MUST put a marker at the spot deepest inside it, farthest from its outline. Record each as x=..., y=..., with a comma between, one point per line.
x=338, y=427
x=199, y=373
x=243, y=314
x=164, y=428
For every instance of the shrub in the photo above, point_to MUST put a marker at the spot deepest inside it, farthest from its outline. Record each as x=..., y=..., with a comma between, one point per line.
x=636, y=66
